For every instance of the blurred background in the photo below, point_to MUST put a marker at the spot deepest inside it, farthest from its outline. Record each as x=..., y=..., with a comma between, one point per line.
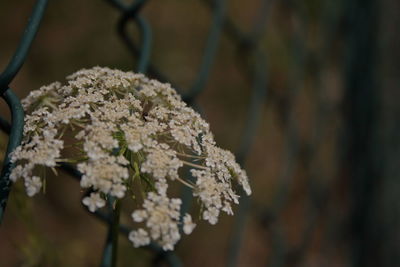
x=303, y=91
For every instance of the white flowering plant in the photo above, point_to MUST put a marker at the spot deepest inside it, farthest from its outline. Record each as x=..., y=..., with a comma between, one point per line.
x=129, y=136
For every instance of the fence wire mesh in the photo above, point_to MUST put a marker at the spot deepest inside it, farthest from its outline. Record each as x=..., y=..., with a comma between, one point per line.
x=341, y=125
x=131, y=13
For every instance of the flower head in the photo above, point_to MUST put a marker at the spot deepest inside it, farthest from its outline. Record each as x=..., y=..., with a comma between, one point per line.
x=127, y=134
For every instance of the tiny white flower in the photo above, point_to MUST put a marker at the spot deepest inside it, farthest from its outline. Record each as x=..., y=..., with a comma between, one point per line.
x=94, y=202
x=118, y=190
x=33, y=185
x=139, y=215
x=211, y=215
x=188, y=225
x=139, y=238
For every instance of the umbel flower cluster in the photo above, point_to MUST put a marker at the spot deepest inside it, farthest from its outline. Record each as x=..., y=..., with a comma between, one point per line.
x=129, y=136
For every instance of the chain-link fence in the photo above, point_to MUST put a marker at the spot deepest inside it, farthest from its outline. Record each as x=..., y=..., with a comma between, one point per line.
x=312, y=71
x=131, y=14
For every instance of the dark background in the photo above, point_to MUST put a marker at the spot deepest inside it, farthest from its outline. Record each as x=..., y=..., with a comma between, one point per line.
x=324, y=163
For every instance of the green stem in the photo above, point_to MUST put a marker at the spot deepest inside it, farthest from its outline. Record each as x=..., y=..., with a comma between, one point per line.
x=111, y=248
x=115, y=232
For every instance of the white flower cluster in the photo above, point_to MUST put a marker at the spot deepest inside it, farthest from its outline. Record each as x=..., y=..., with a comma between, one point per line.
x=127, y=134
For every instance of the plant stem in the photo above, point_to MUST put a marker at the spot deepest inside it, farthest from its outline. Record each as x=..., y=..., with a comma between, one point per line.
x=194, y=165
x=115, y=231
x=190, y=156
x=111, y=248
x=185, y=182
